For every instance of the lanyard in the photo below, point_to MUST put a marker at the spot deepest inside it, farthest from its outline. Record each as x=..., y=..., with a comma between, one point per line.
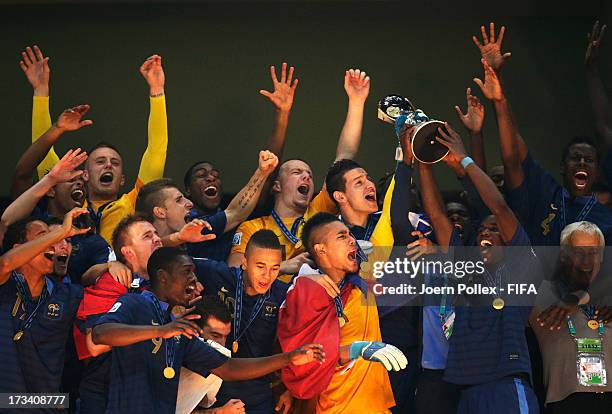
x=238, y=308
x=572, y=329
x=442, y=310
x=96, y=216
x=31, y=308
x=169, y=343
x=586, y=209
x=339, y=307
x=290, y=235
x=369, y=229
x=495, y=281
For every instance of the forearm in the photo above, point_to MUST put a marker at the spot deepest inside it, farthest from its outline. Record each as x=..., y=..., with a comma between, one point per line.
x=240, y=369
x=433, y=205
x=344, y=355
x=154, y=158
x=243, y=204
x=119, y=334
x=350, y=136
x=400, y=205
x=92, y=274
x=31, y=158
x=172, y=240
x=276, y=142
x=477, y=149
x=94, y=349
x=24, y=204
x=512, y=145
x=599, y=103
x=41, y=122
x=22, y=254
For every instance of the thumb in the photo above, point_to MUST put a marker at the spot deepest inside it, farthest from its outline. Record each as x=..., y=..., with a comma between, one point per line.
x=265, y=93
x=459, y=113
x=479, y=83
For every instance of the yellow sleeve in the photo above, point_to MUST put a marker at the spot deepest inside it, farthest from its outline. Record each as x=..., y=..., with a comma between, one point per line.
x=154, y=158
x=383, y=233
x=243, y=235
x=321, y=203
x=41, y=122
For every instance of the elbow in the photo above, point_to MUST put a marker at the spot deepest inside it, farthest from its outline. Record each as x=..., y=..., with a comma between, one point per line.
x=97, y=335
x=499, y=208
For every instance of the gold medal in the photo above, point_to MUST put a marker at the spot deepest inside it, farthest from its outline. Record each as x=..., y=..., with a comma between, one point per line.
x=593, y=324
x=341, y=321
x=18, y=336
x=235, y=347
x=169, y=372
x=498, y=303
x=298, y=245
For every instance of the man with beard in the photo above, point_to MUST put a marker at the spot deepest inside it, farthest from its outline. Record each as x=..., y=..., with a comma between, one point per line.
x=544, y=206
x=55, y=194
x=104, y=169
x=36, y=311
x=347, y=326
x=564, y=315
x=487, y=351
x=151, y=342
x=163, y=202
x=293, y=188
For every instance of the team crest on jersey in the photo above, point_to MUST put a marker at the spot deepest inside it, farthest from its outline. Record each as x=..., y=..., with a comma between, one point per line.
x=116, y=306
x=237, y=239
x=54, y=310
x=270, y=310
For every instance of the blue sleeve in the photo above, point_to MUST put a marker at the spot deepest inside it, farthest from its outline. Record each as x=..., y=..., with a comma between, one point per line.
x=400, y=206
x=211, y=272
x=93, y=250
x=92, y=320
x=217, y=221
x=123, y=311
x=201, y=357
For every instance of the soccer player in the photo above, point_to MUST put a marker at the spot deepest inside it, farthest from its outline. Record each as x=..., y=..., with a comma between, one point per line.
x=543, y=205
x=164, y=203
x=104, y=169
x=293, y=188
x=56, y=193
x=216, y=324
x=36, y=311
x=150, y=344
x=254, y=296
x=354, y=377
x=487, y=352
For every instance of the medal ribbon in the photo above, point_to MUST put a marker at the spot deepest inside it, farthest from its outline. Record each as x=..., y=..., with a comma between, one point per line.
x=338, y=301
x=369, y=229
x=290, y=235
x=169, y=343
x=30, y=306
x=586, y=209
x=238, y=307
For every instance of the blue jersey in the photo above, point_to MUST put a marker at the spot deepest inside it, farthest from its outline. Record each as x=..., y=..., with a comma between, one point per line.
x=258, y=339
x=35, y=362
x=218, y=248
x=489, y=344
x=544, y=207
x=137, y=383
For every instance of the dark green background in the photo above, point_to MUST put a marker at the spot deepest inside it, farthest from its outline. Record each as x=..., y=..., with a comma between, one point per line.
x=216, y=57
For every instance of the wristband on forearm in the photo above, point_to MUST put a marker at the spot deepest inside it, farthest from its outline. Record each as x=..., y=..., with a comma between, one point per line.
x=465, y=162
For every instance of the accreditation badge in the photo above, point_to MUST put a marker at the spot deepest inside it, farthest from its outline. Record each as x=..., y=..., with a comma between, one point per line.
x=448, y=322
x=590, y=362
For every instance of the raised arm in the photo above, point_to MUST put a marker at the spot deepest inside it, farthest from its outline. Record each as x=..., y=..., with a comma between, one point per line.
x=154, y=158
x=433, y=204
x=23, y=253
x=243, y=204
x=64, y=171
x=473, y=120
x=487, y=189
x=596, y=88
x=36, y=68
x=357, y=87
x=70, y=120
x=282, y=99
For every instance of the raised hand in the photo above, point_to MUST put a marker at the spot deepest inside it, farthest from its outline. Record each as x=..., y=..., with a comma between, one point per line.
x=490, y=49
x=594, y=38
x=71, y=118
x=182, y=325
x=282, y=96
x=452, y=141
x=153, y=72
x=267, y=161
x=491, y=87
x=192, y=232
x=36, y=68
x=307, y=354
x=66, y=168
x=68, y=228
x=474, y=117
x=121, y=273
x=356, y=85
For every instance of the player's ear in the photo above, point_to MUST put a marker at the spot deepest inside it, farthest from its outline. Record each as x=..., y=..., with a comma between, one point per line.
x=276, y=187
x=243, y=262
x=319, y=249
x=122, y=180
x=340, y=197
x=51, y=192
x=159, y=212
x=162, y=277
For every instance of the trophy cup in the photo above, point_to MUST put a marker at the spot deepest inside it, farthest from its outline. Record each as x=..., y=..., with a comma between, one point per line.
x=399, y=111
